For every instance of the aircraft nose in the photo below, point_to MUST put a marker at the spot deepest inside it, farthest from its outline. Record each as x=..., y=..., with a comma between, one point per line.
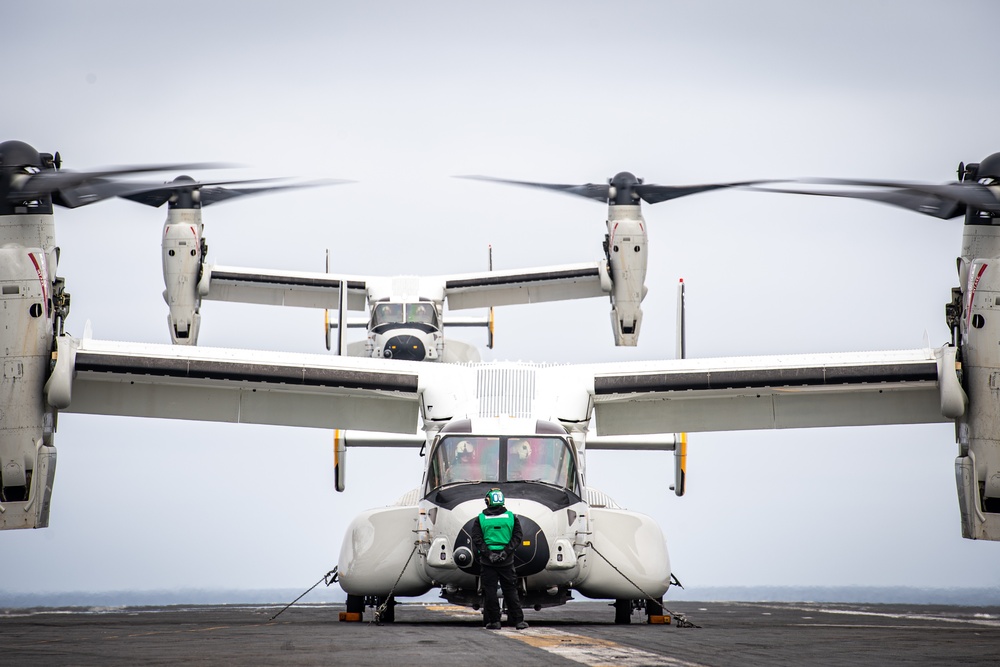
x=405, y=347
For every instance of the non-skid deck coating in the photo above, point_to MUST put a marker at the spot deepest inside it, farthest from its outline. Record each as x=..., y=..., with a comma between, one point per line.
x=580, y=633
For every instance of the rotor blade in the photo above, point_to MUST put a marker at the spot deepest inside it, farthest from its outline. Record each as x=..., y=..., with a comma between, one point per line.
x=909, y=199
x=974, y=195
x=90, y=192
x=153, y=197
x=654, y=194
x=47, y=182
x=157, y=194
x=214, y=195
x=598, y=192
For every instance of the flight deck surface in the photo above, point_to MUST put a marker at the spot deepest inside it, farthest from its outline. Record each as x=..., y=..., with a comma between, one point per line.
x=582, y=632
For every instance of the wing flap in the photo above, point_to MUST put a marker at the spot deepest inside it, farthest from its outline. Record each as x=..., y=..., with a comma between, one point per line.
x=242, y=386
x=282, y=288
x=854, y=389
x=505, y=288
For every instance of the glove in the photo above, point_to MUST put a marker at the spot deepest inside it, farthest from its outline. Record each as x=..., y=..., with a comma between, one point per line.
x=496, y=557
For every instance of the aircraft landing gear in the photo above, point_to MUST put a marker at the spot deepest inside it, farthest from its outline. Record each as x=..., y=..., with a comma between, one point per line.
x=653, y=608
x=355, y=604
x=356, y=607
x=624, y=608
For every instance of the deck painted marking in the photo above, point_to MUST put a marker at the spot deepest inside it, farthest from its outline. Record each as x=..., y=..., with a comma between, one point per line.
x=979, y=619
x=578, y=648
x=592, y=651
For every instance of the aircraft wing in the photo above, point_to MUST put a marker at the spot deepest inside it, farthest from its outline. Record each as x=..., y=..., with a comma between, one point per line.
x=790, y=391
x=281, y=288
x=470, y=290
x=504, y=288
x=244, y=386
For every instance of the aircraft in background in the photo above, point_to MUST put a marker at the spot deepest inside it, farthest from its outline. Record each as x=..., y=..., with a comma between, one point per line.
x=406, y=315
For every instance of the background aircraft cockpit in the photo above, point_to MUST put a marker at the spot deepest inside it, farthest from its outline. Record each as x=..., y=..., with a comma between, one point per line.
x=397, y=314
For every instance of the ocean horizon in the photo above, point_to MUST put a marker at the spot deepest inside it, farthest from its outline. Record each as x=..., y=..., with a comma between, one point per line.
x=973, y=597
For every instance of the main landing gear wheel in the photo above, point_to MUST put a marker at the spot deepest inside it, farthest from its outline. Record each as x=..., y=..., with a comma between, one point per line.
x=653, y=608
x=355, y=604
x=623, y=612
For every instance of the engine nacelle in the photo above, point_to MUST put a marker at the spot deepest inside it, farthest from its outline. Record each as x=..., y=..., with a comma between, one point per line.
x=627, y=256
x=27, y=457
x=182, y=262
x=977, y=467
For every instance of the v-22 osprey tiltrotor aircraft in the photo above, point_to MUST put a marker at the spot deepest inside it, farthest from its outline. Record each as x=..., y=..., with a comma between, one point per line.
x=406, y=317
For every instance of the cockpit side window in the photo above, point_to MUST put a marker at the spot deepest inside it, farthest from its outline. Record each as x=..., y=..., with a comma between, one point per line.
x=387, y=313
x=541, y=459
x=423, y=313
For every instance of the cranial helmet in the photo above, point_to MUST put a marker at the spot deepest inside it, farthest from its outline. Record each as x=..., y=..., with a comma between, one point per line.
x=522, y=449
x=494, y=498
x=464, y=447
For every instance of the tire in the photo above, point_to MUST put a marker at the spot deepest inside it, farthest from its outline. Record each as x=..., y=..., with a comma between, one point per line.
x=355, y=604
x=623, y=612
x=654, y=608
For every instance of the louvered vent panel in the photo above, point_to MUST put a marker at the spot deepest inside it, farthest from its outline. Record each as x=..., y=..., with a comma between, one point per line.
x=406, y=285
x=505, y=392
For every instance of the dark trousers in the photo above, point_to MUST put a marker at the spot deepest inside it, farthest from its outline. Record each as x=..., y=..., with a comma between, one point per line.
x=489, y=578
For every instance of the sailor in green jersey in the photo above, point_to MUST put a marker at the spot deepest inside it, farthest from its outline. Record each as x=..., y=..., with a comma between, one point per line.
x=495, y=537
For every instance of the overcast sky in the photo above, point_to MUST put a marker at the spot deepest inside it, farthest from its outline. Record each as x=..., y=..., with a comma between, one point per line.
x=400, y=96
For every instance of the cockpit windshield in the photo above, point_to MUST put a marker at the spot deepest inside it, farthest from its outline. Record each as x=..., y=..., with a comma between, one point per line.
x=421, y=312
x=462, y=458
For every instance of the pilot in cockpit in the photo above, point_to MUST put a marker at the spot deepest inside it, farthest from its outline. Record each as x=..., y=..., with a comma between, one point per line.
x=518, y=458
x=463, y=466
x=420, y=312
x=388, y=313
